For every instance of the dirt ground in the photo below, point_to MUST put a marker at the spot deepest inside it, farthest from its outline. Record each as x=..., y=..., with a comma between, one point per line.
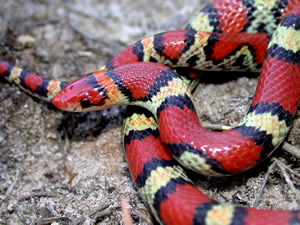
x=63, y=168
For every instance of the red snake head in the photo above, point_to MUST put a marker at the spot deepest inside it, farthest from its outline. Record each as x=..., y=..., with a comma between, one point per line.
x=120, y=86
x=88, y=93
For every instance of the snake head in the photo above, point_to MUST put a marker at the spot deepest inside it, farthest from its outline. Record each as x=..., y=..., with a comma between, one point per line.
x=84, y=94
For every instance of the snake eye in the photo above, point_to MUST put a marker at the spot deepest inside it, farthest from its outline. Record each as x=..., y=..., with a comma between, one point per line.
x=85, y=102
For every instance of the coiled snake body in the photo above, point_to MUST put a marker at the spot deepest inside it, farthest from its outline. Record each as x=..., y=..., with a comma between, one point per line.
x=212, y=41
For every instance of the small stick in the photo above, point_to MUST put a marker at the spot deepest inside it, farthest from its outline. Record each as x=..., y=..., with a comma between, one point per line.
x=260, y=192
x=291, y=149
x=287, y=178
x=125, y=212
x=38, y=194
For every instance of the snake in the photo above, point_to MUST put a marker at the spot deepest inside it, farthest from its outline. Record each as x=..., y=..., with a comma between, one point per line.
x=144, y=75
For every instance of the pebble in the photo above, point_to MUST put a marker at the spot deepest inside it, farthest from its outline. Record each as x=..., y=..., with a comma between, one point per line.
x=26, y=40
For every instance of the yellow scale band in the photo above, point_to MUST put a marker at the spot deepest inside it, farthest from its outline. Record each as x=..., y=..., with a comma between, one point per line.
x=220, y=215
x=138, y=122
x=114, y=94
x=148, y=48
x=15, y=75
x=228, y=64
x=197, y=49
x=175, y=87
x=287, y=38
x=196, y=163
x=53, y=89
x=258, y=16
x=149, y=52
x=160, y=178
x=200, y=22
x=268, y=123
x=201, y=40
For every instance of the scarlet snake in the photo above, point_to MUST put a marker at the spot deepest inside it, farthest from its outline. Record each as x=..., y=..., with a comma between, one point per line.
x=164, y=211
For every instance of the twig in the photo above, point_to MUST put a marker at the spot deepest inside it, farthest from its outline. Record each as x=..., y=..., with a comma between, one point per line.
x=98, y=209
x=283, y=168
x=260, y=192
x=125, y=212
x=287, y=168
x=95, y=212
x=291, y=149
x=145, y=215
x=287, y=178
x=49, y=220
x=38, y=194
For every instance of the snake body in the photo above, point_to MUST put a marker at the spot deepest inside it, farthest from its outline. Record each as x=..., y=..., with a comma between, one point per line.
x=169, y=193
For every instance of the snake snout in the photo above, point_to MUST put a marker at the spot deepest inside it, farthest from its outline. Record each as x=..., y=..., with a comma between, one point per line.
x=60, y=101
x=68, y=99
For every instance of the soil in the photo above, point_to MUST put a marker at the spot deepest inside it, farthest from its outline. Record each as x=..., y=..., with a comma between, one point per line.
x=64, y=168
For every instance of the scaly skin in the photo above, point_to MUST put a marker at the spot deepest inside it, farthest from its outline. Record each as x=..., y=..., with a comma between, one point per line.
x=221, y=16
x=161, y=91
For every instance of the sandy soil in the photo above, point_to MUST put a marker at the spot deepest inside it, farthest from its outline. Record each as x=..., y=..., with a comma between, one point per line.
x=62, y=168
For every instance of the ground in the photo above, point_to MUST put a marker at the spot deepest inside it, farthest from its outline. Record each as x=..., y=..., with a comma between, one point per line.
x=62, y=168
